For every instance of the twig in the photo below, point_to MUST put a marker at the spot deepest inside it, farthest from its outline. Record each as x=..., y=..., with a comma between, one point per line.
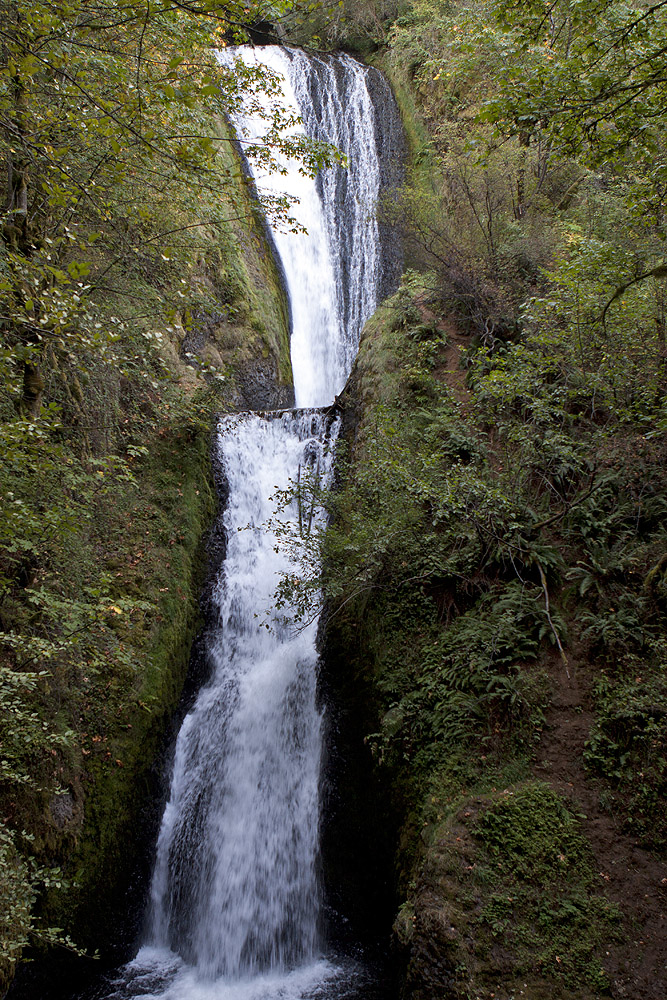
x=659, y=271
x=550, y=620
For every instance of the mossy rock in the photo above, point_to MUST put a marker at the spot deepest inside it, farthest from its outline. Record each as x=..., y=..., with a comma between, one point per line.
x=506, y=900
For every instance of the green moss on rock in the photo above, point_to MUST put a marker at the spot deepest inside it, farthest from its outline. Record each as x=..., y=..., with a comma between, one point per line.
x=507, y=901
x=117, y=587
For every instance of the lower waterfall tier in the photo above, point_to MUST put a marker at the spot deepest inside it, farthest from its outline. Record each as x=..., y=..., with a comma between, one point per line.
x=235, y=890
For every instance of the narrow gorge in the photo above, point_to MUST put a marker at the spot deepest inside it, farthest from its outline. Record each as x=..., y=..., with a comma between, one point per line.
x=333, y=500
x=236, y=900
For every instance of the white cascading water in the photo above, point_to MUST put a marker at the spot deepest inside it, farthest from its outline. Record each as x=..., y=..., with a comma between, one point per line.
x=333, y=270
x=234, y=897
x=234, y=890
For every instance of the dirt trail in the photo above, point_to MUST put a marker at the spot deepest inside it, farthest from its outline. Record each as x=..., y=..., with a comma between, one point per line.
x=448, y=369
x=629, y=876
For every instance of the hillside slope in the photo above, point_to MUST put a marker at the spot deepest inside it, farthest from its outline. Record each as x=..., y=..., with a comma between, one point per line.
x=495, y=568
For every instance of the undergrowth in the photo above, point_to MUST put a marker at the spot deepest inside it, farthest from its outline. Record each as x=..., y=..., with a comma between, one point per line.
x=480, y=532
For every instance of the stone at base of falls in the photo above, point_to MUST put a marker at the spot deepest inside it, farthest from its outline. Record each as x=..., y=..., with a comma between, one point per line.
x=428, y=946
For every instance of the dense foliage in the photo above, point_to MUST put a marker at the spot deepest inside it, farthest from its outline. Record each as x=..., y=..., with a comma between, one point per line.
x=520, y=451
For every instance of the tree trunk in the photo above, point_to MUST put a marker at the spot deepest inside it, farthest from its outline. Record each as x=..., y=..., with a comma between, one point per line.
x=33, y=387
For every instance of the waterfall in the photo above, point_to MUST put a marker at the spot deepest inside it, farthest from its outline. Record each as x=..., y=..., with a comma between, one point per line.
x=234, y=890
x=337, y=270
x=234, y=896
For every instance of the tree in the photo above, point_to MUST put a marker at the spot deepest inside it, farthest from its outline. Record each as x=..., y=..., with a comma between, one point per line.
x=105, y=112
x=590, y=78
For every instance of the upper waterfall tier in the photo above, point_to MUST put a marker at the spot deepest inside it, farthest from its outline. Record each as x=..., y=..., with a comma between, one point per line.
x=336, y=271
